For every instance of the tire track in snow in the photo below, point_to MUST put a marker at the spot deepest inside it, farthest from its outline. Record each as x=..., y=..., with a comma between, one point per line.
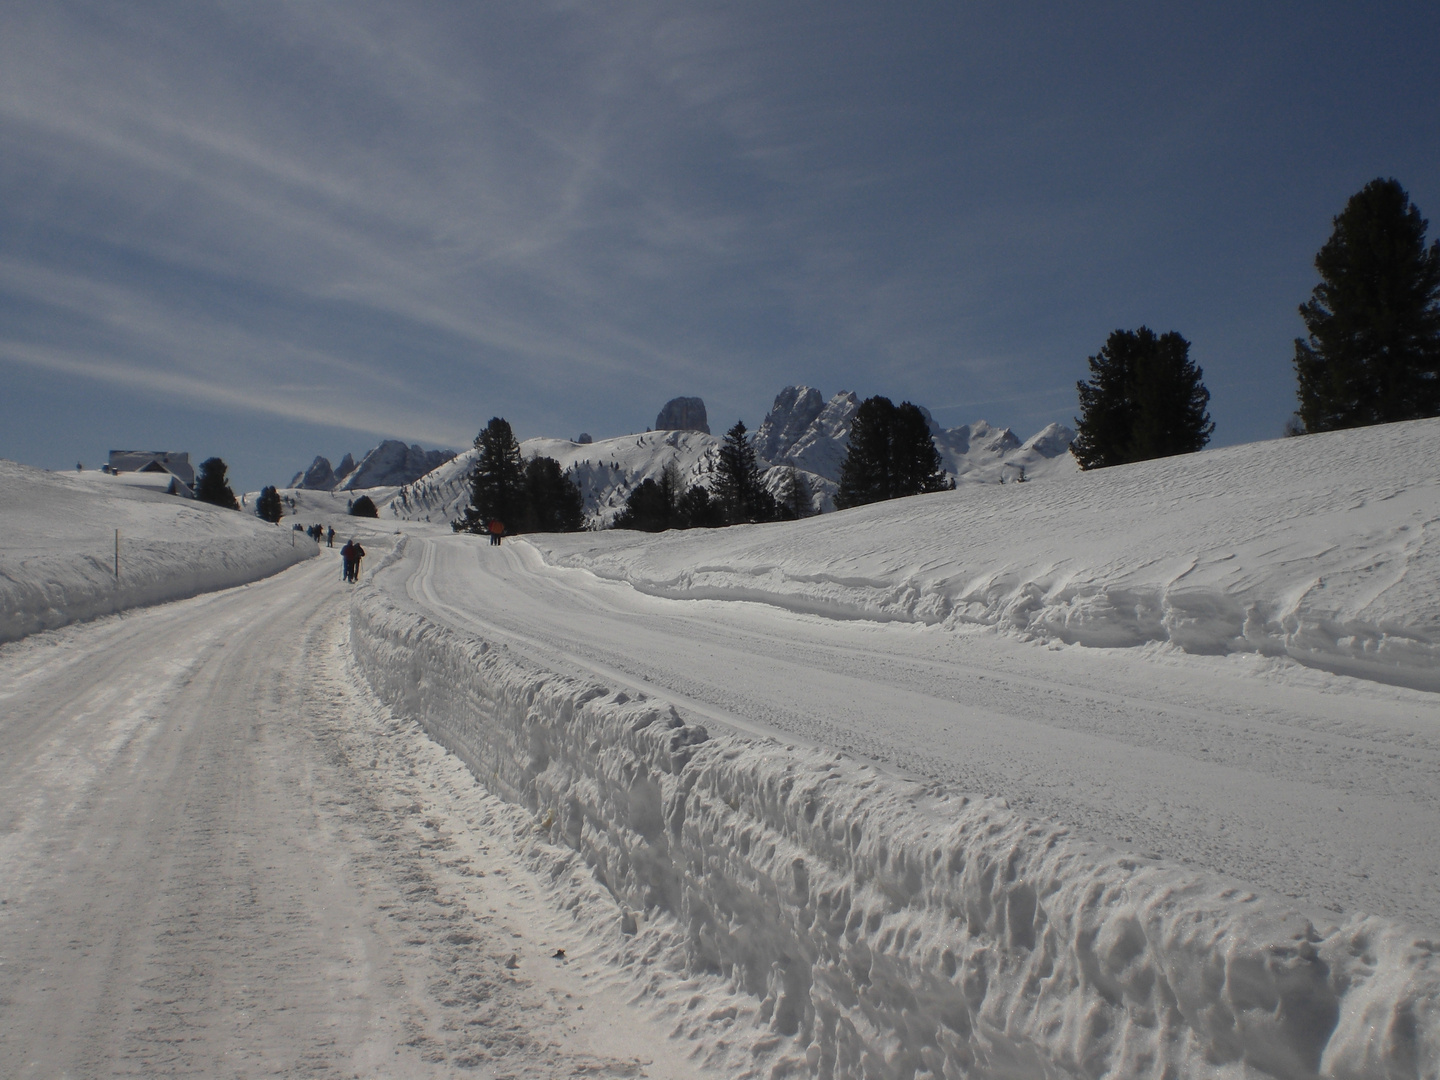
x=221, y=856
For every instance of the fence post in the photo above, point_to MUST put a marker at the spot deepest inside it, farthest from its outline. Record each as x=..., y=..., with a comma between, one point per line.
x=117, y=554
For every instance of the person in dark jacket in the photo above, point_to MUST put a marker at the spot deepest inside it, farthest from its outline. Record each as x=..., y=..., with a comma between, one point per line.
x=356, y=554
x=347, y=556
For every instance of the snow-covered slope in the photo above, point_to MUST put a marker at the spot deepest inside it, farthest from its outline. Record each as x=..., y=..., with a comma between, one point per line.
x=57, y=547
x=1324, y=548
x=607, y=471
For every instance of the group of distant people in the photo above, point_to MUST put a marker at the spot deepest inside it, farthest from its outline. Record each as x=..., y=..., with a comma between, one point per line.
x=319, y=532
x=350, y=555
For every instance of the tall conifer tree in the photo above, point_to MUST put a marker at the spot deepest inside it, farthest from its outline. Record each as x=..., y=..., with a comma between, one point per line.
x=1145, y=399
x=497, y=484
x=1373, y=350
x=737, y=481
x=890, y=455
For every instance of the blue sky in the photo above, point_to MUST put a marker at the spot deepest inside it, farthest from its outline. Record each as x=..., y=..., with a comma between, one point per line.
x=269, y=230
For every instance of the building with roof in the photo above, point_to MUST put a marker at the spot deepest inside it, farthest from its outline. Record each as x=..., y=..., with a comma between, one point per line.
x=155, y=468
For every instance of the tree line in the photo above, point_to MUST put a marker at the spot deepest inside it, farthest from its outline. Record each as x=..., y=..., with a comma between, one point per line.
x=1371, y=354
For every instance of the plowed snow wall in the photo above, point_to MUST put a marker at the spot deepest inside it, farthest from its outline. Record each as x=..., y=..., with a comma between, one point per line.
x=46, y=592
x=887, y=931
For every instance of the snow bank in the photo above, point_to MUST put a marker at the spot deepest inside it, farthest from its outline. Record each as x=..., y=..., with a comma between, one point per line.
x=1324, y=548
x=57, y=548
x=874, y=929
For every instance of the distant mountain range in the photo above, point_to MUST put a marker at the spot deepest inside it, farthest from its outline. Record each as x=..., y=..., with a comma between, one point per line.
x=802, y=430
x=390, y=464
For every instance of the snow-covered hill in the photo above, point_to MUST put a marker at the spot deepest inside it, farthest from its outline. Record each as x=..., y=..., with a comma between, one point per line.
x=1324, y=548
x=606, y=470
x=58, y=547
x=802, y=431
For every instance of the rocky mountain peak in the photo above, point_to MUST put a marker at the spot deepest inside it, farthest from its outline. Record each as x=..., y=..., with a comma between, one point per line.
x=683, y=414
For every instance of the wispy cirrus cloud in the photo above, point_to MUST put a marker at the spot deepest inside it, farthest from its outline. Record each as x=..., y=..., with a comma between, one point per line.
x=420, y=215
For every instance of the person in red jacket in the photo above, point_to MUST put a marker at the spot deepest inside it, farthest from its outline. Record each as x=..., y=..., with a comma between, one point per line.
x=497, y=530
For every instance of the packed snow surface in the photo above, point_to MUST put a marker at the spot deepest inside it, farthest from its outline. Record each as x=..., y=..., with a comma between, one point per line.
x=221, y=857
x=1129, y=835
x=58, y=547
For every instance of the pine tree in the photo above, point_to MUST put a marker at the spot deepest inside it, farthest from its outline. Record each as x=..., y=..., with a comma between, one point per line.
x=793, y=494
x=865, y=472
x=364, y=506
x=738, y=489
x=914, y=462
x=1145, y=399
x=268, y=505
x=697, y=510
x=891, y=454
x=553, y=502
x=497, y=484
x=1373, y=351
x=211, y=485
x=647, y=509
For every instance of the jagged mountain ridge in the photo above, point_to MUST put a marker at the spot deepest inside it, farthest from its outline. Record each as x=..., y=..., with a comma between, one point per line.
x=802, y=430
x=390, y=464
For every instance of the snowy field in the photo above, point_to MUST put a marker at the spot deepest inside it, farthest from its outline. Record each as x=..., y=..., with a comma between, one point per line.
x=1133, y=773
x=58, y=547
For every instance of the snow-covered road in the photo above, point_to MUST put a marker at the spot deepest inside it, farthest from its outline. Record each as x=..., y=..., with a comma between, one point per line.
x=219, y=855
x=1320, y=788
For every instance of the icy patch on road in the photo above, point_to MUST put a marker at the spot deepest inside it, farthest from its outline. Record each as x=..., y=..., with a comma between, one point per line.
x=1324, y=548
x=868, y=927
x=58, y=548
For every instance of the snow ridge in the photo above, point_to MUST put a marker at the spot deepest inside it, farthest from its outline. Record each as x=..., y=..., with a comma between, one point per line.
x=868, y=927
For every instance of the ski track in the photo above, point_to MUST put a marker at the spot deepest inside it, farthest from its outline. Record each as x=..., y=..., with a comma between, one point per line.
x=1316, y=787
x=220, y=856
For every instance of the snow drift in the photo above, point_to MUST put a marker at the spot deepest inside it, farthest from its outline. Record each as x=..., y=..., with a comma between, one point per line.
x=876, y=929
x=57, y=548
x=1324, y=548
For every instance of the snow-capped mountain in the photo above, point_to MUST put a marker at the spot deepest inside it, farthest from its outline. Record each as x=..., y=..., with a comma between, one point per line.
x=809, y=433
x=390, y=464
x=803, y=430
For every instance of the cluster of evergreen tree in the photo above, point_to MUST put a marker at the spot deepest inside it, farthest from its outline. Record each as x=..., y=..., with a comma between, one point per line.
x=1372, y=354
x=364, y=506
x=739, y=495
x=1144, y=400
x=533, y=496
x=891, y=455
x=660, y=505
x=1373, y=351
